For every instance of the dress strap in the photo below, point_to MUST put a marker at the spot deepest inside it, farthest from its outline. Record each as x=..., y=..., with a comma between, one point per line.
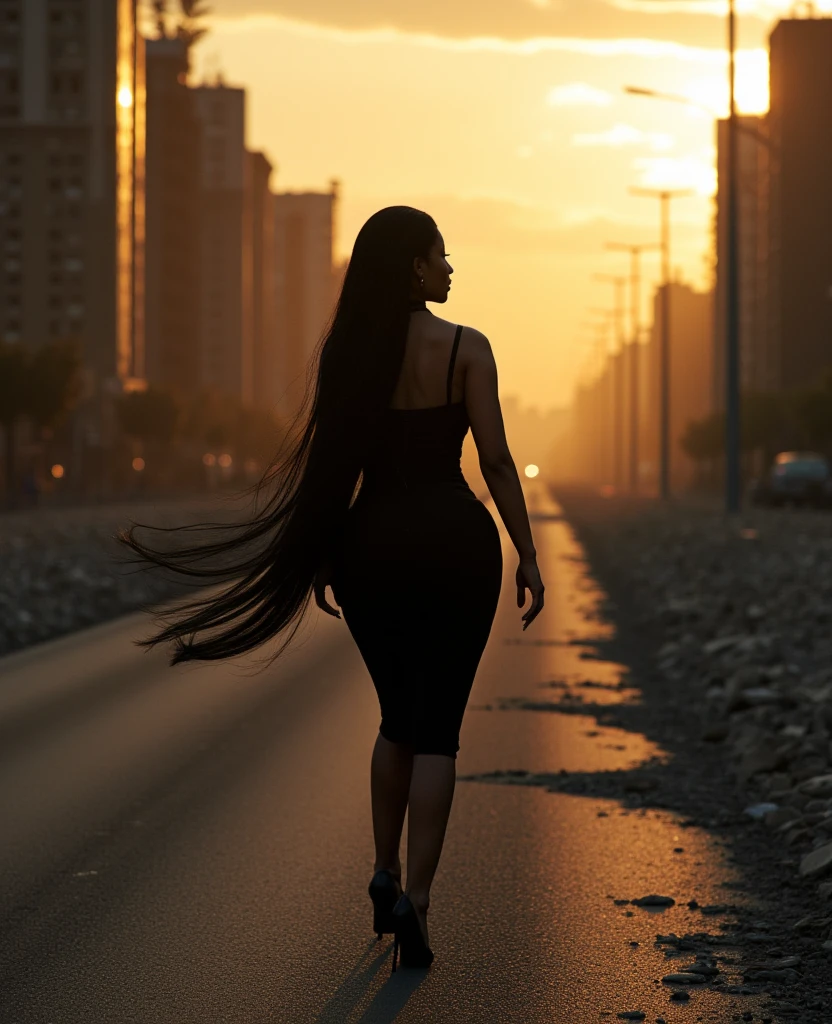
x=452, y=363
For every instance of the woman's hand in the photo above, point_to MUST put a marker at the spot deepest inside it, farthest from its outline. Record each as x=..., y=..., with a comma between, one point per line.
x=528, y=578
x=323, y=579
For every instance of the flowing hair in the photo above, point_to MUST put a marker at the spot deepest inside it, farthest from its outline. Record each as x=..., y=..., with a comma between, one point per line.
x=269, y=563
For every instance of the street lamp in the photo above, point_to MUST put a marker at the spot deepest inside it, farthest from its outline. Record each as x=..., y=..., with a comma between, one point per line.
x=732, y=346
x=617, y=376
x=606, y=414
x=635, y=252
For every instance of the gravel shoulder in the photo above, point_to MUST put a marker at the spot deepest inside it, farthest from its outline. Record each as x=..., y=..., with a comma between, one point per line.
x=726, y=629
x=62, y=569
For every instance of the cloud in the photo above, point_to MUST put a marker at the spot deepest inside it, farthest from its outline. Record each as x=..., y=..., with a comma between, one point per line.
x=509, y=21
x=624, y=135
x=579, y=94
x=649, y=49
x=694, y=172
x=763, y=9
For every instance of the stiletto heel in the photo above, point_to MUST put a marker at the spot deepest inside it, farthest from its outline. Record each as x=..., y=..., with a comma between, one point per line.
x=384, y=890
x=395, y=954
x=408, y=937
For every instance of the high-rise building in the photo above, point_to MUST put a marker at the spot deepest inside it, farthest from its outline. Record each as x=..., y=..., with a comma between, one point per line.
x=759, y=367
x=226, y=349
x=172, y=324
x=306, y=281
x=800, y=222
x=691, y=375
x=260, y=301
x=72, y=124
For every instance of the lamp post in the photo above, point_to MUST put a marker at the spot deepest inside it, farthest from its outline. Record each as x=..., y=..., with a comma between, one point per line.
x=733, y=439
x=733, y=397
x=635, y=252
x=605, y=333
x=617, y=376
x=664, y=196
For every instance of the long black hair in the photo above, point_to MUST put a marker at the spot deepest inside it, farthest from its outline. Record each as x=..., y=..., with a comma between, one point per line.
x=269, y=563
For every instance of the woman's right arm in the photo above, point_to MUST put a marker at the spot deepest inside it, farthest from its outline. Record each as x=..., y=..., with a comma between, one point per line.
x=482, y=401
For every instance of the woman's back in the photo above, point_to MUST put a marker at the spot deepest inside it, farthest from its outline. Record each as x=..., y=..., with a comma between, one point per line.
x=418, y=445
x=428, y=355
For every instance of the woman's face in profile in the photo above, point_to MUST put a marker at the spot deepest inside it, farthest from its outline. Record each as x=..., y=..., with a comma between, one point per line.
x=437, y=271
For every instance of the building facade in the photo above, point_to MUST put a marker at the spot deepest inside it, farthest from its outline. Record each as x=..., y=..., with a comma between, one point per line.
x=306, y=280
x=691, y=375
x=759, y=364
x=226, y=357
x=72, y=148
x=800, y=221
x=172, y=288
x=261, y=299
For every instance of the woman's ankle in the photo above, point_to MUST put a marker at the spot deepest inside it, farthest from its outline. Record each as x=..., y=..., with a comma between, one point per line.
x=393, y=869
x=420, y=899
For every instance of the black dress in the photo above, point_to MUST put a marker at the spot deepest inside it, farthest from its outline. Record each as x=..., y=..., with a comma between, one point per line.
x=418, y=574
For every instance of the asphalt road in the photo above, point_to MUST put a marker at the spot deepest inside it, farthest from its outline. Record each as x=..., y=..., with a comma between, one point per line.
x=194, y=845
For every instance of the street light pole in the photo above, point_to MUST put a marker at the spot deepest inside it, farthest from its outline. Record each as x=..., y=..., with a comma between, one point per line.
x=609, y=417
x=732, y=347
x=635, y=252
x=664, y=196
x=617, y=377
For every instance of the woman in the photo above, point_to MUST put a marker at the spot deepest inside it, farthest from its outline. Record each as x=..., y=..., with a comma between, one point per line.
x=414, y=561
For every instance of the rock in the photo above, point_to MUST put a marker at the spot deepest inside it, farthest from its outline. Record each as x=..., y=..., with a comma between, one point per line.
x=781, y=816
x=680, y=996
x=817, y=786
x=631, y=1015
x=759, y=811
x=707, y=970
x=717, y=733
x=817, y=863
x=714, y=908
x=654, y=901
x=723, y=643
x=782, y=977
x=684, y=978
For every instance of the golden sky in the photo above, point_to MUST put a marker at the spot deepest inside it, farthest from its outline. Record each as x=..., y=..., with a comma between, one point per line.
x=506, y=120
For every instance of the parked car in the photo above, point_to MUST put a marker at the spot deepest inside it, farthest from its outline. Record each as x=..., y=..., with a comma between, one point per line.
x=796, y=478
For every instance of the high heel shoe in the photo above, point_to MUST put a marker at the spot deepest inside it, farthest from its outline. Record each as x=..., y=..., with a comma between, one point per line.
x=408, y=937
x=384, y=891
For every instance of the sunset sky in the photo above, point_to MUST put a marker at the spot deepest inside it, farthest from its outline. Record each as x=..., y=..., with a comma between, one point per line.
x=506, y=120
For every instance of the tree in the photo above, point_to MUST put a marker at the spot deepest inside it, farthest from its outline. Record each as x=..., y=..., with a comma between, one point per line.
x=14, y=367
x=703, y=440
x=42, y=386
x=188, y=20
x=57, y=386
x=148, y=416
x=190, y=27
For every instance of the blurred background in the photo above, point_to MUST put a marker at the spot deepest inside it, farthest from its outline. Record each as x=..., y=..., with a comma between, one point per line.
x=181, y=183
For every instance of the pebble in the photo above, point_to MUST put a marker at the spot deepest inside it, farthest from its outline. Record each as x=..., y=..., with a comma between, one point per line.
x=632, y=1015
x=61, y=570
x=654, y=901
x=683, y=979
x=818, y=862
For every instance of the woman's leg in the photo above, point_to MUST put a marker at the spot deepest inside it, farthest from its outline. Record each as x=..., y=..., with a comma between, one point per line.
x=390, y=772
x=431, y=795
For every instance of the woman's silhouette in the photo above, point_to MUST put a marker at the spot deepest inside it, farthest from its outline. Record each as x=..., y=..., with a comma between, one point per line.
x=369, y=499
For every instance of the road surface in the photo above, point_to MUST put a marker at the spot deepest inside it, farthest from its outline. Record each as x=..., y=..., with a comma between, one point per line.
x=193, y=846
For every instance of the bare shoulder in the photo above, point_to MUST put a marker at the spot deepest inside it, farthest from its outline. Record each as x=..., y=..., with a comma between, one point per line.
x=477, y=346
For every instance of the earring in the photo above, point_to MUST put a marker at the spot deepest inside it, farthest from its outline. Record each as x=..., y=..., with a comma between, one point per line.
x=422, y=283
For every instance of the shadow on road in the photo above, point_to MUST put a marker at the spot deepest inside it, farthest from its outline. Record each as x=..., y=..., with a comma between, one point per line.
x=389, y=1000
